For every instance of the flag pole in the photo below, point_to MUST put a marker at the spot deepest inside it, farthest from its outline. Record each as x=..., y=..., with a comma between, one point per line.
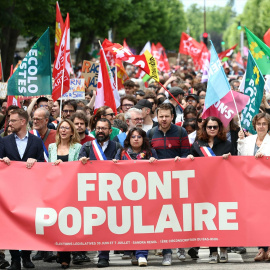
x=115, y=75
x=64, y=66
x=171, y=95
x=236, y=109
x=1, y=67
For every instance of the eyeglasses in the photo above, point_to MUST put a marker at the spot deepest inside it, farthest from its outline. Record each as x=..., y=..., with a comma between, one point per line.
x=14, y=120
x=64, y=128
x=37, y=119
x=212, y=127
x=68, y=111
x=127, y=105
x=43, y=106
x=101, y=128
x=136, y=136
x=111, y=114
x=191, y=101
x=261, y=124
x=138, y=119
x=200, y=120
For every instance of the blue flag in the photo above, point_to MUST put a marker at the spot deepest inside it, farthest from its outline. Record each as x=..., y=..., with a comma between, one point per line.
x=218, y=85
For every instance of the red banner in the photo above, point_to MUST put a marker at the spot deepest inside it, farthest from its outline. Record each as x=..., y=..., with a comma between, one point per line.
x=135, y=204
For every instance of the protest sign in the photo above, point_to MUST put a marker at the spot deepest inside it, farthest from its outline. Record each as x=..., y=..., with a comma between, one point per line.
x=134, y=205
x=3, y=90
x=90, y=74
x=76, y=91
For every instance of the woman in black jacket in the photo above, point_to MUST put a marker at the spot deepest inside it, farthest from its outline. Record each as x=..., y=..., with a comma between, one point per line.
x=212, y=141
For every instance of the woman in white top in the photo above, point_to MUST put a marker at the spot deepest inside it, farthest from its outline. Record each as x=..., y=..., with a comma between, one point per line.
x=257, y=145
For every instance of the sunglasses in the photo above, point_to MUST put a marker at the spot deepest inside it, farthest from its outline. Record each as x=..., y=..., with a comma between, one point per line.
x=111, y=114
x=212, y=127
x=199, y=120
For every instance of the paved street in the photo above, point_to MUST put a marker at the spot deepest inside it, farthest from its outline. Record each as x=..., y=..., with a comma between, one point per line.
x=236, y=261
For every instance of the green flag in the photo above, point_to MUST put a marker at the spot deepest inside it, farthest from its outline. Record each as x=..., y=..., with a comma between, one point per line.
x=33, y=77
x=254, y=85
x=260, y=52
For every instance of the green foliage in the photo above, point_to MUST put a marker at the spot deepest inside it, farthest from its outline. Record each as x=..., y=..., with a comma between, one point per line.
x=255, y=17
x=217, y=20
x=157, y=21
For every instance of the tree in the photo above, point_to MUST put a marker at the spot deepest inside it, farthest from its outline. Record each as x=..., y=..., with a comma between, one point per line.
x=25, y=18
x=217, y=20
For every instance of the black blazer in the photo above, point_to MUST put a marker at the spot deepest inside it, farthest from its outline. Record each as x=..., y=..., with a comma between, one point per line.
x=34, y=148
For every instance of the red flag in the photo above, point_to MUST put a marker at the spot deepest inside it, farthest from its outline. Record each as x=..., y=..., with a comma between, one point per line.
x=13, y=100
x=158, y=56
x=121, y=74
x=125, y=45
x=162, y=52
x=204, y=58
x=160, y=48
x=145, y=61
x=189, y=46
x=225, y=109
x=227, y=53
x=239, y=59
x=266, y=38
x=59, y=29
x=110, y=56
x=105, y=96
x=61, y=63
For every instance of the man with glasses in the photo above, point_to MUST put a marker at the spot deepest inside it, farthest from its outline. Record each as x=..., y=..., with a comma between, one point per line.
x=40, y=129
x=69, y=107
x=133, y=119
x=21, y=146
x=192, y=100
x=178, y=93
x=127, y=102
x=146, y=107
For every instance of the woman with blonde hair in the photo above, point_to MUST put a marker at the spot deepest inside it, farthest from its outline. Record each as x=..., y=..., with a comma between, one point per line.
x=66, y=148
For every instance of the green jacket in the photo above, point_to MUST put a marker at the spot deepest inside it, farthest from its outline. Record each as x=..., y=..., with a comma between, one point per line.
x=73, y=153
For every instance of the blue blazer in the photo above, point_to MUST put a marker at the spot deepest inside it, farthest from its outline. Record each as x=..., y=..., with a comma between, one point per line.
x=34, y=148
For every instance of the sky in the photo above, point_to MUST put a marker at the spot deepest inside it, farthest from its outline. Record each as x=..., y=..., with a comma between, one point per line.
x=238, y=5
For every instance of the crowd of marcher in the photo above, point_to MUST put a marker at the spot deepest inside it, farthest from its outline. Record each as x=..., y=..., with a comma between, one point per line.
x=150, y=124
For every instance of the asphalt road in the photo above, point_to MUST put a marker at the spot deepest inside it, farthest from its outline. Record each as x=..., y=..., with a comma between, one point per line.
x=236, y=261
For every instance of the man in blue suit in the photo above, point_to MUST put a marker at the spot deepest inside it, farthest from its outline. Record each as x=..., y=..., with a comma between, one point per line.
x=21, y=146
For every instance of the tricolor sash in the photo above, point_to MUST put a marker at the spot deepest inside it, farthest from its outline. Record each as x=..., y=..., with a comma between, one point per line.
x=207, y=151
x=46, y=154
x=98, y=152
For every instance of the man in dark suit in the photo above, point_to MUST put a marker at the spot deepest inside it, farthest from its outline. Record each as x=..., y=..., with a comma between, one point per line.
x=21, y=146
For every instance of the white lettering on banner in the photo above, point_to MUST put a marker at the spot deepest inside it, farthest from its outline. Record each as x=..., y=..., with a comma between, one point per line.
x=28, y=72
x=214, y=67
x=223, y=109
x=224, y=216
x=182, y=217
x=165, y=188
x=251, y=91
x=204, y=214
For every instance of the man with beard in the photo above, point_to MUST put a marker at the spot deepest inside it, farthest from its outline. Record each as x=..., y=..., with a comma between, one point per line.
x=102, y=143
x=106, y=150
x=80, y=121
x=133, y=119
